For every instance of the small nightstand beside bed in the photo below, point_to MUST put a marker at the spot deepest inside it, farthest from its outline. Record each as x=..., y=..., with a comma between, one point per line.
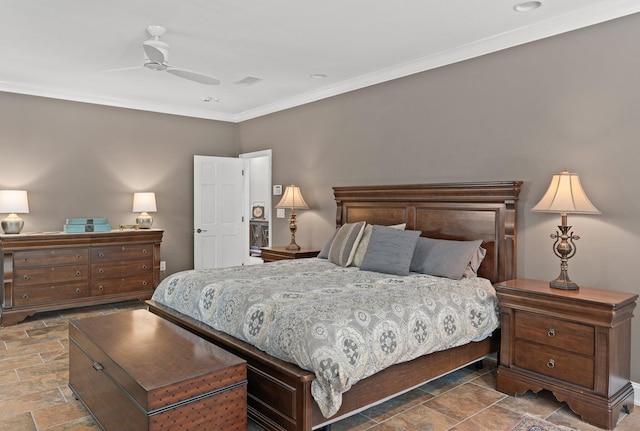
x=369, y=359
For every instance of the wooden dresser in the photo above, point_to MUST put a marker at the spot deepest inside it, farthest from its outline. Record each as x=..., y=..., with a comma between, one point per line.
x=574, y=343
x=56, y=270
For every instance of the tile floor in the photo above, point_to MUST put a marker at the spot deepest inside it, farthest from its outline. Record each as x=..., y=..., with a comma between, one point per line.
x=34, y=395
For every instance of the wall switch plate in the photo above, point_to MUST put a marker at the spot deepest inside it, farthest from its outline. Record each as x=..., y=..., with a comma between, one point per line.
x=277, y=190
x=279, y=212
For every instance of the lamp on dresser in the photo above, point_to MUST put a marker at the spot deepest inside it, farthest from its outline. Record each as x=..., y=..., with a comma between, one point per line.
x=293, y=199
x=565, y=195
x=13, y=202
x=144, y=203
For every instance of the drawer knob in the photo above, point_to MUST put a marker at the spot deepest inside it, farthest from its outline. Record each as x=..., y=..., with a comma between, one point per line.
x=78, y=272
x=96, y=366
x=26, y=259
x=144, y=282
x=144, y=251
x=101, y=270
x=78, y=290
x=26, y=277
x=101, y=287
x=25, y=296
x=78, y=255
x=551, y=363
x=144, y=266
x=551, y=332
x=101, y=254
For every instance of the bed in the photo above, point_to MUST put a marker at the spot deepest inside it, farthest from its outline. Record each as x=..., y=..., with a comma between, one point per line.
x=280, y=392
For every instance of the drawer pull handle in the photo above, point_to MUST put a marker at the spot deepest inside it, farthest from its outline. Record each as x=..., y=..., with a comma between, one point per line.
x=144, y=266
x=78, y=290
x=25, y=296
x=101, y=287
x=551, y=333
x=144, y=251
x=96, y=366
x=78, y=272
x=101, y=271
x=101, y=254
x=26, y=259
x=144, y=282
x=551, y=363
x=26, y=277
x=78, y=255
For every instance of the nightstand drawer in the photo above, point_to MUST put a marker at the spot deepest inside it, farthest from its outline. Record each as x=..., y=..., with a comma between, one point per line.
x=555, y=363
x=557, y=333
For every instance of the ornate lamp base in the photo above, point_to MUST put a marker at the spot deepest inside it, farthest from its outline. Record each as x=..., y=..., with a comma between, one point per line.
x=564, y=248
x=293, y=227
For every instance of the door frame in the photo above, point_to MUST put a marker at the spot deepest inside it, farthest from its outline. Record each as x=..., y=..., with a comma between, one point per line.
x=268, y=186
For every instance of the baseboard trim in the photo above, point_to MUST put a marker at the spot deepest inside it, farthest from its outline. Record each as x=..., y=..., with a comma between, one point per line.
x=636, y=393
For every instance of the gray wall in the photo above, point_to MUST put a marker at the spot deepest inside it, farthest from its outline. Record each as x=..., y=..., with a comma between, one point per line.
x=82, y=160
x=571, y=101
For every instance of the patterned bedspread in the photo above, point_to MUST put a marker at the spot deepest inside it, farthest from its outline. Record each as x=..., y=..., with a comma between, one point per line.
x=343, y=324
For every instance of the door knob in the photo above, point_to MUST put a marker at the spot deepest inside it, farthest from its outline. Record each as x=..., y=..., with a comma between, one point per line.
x=200, y=230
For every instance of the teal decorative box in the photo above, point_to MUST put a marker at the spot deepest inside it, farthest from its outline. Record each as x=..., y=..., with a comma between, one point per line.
x=82, y=228
x=98, y=220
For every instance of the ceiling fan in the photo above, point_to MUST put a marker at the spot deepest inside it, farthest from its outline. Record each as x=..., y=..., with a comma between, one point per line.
x=156, y=53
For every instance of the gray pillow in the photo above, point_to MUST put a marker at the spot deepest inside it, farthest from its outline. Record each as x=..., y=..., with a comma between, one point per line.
x=364, y=242
x=476, y=259
x=324, y=253
x=443, y=258
x=344, y=244
x=390, y=250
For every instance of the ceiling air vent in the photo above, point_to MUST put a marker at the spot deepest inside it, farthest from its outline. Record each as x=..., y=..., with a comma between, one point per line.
x=249, y=80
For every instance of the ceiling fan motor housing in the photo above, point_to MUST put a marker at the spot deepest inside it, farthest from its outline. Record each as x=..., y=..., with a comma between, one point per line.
x=156, y=54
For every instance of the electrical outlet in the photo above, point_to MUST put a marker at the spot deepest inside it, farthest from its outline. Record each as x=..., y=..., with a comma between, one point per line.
x=163, y=265
x=279, y=212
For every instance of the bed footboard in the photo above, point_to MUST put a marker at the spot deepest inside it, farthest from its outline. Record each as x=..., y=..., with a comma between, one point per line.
x=279, y=393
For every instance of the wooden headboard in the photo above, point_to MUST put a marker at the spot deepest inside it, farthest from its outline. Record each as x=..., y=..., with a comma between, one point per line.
x=459, y=211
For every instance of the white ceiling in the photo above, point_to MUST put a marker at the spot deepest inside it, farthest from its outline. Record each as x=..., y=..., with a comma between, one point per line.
x=67, y=49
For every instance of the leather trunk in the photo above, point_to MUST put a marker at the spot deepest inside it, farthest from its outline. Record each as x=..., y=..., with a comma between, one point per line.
x=135, y=371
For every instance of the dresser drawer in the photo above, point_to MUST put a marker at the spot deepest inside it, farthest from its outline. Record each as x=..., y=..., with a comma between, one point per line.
x=50, y=275
x=104, y=270
x=561, y=334
x=555, y=363
x=121, y=252
x=49, y=293
x=120, y=285
x=58, y=256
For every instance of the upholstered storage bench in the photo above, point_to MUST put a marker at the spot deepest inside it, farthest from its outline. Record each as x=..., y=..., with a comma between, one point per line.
x=136, y=371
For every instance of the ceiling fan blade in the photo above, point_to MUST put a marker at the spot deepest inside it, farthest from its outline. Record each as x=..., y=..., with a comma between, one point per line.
x=153, y=52
x=194, y=76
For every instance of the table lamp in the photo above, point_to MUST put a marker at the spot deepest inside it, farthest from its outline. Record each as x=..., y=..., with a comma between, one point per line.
x=565, y=196
x=12, y=202
x=144, y=203
x=292, y=198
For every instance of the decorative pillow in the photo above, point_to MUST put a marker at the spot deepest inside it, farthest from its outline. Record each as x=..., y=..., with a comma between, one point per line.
x=324, y=253
x=477, y=258
x=364, y=242
x=443, y=258
x=390, y=250
x=344, y=244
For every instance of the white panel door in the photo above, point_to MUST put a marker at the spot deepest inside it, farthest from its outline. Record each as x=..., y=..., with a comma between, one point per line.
x=221, y=228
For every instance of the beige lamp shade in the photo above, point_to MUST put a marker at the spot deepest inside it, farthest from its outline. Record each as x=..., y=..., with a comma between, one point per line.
x=144, y=202
x=14, y=201
x=565, y=195
x=292, y=198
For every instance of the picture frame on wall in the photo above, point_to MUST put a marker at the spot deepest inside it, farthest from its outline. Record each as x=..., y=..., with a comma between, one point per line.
x=257, y=210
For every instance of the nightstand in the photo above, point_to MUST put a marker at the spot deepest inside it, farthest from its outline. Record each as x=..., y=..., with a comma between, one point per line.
x=271, y=254
x=574, y=343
